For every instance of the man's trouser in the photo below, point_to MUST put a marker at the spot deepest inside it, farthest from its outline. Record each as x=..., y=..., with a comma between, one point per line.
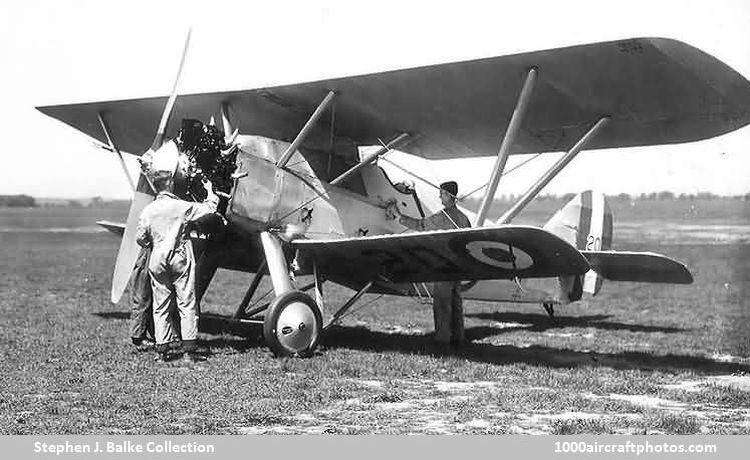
x=176, y=275
x=141, y=315
x=448, y=312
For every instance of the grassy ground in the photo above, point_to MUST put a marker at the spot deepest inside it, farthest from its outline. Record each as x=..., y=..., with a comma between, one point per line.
x=637, y=359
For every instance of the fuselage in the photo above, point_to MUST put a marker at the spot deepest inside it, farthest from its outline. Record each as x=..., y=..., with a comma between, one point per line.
x=298, y=204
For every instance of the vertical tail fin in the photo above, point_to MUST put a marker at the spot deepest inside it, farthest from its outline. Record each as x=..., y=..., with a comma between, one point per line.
x=586, y=223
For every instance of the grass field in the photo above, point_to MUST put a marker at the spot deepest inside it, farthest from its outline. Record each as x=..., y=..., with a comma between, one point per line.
x=638, y=358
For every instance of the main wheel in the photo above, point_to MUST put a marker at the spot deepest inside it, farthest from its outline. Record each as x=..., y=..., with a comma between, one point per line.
x=292, y=325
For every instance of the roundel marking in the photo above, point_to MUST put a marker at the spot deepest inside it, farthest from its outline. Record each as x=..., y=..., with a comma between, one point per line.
x=499, y=255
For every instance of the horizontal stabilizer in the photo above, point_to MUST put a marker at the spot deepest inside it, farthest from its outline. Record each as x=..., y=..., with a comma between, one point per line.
x=646, y=267
x=117, y=228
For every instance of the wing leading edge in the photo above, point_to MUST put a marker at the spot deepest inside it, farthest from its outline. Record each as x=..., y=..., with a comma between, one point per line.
x=655, y=91
x=468, y=254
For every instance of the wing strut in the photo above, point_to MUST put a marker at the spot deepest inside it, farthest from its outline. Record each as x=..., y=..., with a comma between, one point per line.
x=553, y=171
x=397, y=141
x=114, y=148
x=305, y=130
x=502, y=155
x=337, y=316
x=319, y=280
x=239, y=313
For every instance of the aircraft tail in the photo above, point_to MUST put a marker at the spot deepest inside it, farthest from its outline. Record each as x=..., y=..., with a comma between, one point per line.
x=586, y=223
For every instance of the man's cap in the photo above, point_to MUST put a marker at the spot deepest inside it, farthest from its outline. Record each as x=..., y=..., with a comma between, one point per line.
x=450, y=187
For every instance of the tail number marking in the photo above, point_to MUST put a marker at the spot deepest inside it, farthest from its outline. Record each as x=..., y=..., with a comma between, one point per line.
x=593, y=243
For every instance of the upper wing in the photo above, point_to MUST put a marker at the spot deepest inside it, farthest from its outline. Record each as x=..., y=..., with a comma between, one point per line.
x=467, y=254
x=645, y=267
x=656, y=91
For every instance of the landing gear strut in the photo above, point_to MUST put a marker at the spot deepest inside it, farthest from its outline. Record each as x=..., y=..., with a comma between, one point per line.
x=549, y=307
x=293, y=322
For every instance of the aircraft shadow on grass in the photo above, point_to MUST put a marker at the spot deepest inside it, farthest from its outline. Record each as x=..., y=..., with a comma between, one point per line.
x=361, y=338
x=526, y=321
x=537, y=355
x=246, y=336
x=228, y=335
x=541, y=322
x=112, y=314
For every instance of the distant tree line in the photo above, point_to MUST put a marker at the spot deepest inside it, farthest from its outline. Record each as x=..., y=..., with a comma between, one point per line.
x=667, y=196
x=653, y=196
x=26, y=201
x=17, y=201
x=94, y=202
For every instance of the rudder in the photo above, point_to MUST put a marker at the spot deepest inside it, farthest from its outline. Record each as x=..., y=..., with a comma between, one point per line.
x=586, y=223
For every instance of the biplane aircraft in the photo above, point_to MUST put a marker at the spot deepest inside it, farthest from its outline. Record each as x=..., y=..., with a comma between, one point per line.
x=305, y=198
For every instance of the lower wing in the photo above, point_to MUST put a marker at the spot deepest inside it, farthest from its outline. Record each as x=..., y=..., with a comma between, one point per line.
x=504, y=252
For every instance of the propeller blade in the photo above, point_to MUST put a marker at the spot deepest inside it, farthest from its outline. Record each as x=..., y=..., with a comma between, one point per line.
x=129, y=249
x=226, y=124
x=159, y=138
x=144, y=194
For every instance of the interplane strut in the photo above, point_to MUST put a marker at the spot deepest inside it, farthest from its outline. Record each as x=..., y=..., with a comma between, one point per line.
x=502, y=155
x=551, y=173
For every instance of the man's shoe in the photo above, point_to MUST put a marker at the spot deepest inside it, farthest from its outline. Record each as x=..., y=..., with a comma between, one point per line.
x=441, y=348
x=143, y=344
x=459, y=344
x=192, y=357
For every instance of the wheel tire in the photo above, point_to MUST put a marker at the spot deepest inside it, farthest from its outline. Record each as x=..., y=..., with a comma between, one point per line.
x=292, y=325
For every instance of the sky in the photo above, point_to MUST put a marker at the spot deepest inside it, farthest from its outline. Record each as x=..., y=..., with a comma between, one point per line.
x=56, y=52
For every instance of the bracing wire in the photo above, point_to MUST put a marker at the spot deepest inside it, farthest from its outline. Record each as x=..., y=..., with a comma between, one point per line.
x=417, y=176
x=502, y=175
x=320, y=194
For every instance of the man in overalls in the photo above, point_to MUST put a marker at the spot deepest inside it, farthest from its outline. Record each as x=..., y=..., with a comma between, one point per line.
x=163, y=226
